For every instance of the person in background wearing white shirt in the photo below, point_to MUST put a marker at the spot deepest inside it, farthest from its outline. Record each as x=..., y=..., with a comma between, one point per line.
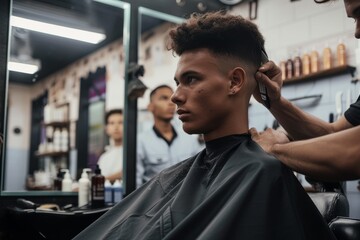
x=111, y=161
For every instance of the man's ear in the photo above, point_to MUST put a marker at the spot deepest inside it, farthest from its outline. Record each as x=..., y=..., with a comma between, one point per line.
x=237, y=80
x=150, y=107
x=107, y=129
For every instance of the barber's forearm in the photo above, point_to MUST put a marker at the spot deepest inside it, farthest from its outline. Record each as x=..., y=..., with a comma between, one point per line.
x=331, y=157
x=298, y=124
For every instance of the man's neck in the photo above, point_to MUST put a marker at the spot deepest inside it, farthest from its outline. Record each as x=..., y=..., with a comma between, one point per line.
x=165, y=128
x=118, y=143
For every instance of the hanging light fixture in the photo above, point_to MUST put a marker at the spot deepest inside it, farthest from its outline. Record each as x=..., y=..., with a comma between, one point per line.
x=180, y=3
x=230, y=2
x=202, y=6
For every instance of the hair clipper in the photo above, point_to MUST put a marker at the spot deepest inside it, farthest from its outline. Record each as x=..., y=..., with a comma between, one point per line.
x=262, y=88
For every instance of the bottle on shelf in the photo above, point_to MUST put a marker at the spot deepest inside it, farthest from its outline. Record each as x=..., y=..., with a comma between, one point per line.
x=97, y=189
x=58, y=181
x=84, y=189
x=297, y=65
x=289, y=68
x=306, y=64
x=64, y=140
x=314, y=61
x=57, y=140
x=327, y=58
x=66, y=184
x=108, y=192
x=283, y=70
x=341, y=54
x=118, y=191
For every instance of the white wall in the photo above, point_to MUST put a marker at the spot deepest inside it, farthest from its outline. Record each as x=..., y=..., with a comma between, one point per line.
x=18, y=144
x=303, y=25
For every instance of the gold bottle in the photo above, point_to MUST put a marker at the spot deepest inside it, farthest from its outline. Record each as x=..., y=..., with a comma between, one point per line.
x=283, y=70
x=341, y=54
x=314, y=61
x=289, y=68
x=297, y=66
x=327, y=58
x=306, y=64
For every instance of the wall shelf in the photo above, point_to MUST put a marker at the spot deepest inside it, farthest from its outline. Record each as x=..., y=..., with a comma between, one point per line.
x=57, y=124
x=321, y=74
x=51, y=154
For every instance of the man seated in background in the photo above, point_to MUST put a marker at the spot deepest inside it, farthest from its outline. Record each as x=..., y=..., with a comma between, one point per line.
x=111, y=161
x=232, y=189
x=162, y=146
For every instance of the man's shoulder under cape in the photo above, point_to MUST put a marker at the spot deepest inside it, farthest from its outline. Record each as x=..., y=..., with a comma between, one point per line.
x=252, y=197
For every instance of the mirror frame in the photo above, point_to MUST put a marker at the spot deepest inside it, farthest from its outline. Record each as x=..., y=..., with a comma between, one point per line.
x=5, y=30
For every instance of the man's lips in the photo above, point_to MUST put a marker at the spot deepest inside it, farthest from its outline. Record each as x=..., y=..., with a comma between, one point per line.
x=183, y=114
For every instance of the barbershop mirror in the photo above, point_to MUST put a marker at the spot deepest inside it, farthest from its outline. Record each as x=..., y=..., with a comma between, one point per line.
x=158, y=61
x=66, y=77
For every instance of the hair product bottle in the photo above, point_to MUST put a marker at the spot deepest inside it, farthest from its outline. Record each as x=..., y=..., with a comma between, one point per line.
x=306, y=64
x=118, y=191
x=314, y=61
x=297, y=66
x=97, y=189
x=289, y=68
x=84, y=188
x=108, y=192
x=341, y=54
x=58, y=181
x=327, y=58
x=66, y=184
x=283, y=70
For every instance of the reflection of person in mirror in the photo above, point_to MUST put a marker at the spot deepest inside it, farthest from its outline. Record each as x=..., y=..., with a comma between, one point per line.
x=111, y=161
x=162, y=146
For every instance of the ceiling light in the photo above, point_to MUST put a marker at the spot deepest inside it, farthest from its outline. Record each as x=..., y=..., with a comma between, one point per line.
x=23, y=67
x=230, y=2
x=180, y=3
x=61, y=31
x=201, y=6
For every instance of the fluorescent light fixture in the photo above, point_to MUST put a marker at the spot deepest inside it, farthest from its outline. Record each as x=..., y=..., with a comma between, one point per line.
x=52, y=29
x=23, y=67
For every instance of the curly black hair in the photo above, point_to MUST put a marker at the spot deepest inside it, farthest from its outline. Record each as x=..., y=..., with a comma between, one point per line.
x=221, y=33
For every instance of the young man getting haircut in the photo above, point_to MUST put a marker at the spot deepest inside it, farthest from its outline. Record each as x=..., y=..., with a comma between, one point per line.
x=232, y=189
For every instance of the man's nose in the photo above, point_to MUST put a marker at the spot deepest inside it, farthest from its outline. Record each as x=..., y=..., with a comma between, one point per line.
x=177, y=97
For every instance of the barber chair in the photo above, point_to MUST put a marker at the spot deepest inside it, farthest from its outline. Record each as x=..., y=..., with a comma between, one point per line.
x=334, y=207
x=27, y=221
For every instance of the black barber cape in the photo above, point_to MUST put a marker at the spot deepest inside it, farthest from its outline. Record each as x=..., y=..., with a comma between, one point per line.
x=236, y=191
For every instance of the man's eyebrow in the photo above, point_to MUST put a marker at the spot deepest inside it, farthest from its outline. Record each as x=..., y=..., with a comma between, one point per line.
x=184, y=74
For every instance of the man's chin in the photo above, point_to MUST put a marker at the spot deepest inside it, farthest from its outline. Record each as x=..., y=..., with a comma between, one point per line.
x=191, y=130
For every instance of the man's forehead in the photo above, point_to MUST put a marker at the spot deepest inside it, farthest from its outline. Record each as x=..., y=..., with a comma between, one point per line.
x=162, y=91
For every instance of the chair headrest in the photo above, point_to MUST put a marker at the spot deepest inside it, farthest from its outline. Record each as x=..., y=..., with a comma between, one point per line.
x=346, y=228
x=330, y=204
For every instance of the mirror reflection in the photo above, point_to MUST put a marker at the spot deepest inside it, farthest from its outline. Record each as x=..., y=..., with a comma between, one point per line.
x=161, y=139
x=61, y=83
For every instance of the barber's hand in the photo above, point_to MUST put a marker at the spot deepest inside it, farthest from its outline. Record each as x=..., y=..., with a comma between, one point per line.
x=269, y=74
x=268, y=138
